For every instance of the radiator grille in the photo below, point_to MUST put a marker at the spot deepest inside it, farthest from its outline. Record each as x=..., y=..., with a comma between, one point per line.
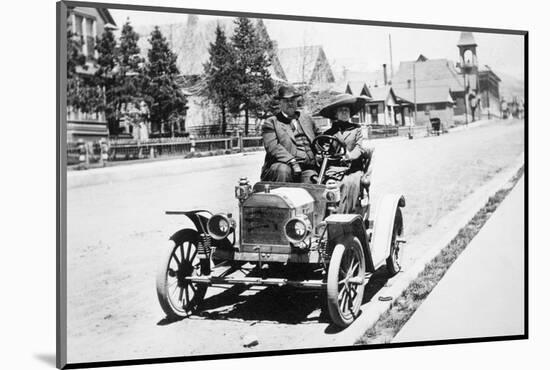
x=264, y=225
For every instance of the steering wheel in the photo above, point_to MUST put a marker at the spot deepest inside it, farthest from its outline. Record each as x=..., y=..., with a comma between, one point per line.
x=329, y=147
x=332, y=150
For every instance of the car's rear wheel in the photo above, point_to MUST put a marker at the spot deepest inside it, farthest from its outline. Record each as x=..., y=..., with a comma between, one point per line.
x=393, y=262
x=346, y=282
x=178, y=296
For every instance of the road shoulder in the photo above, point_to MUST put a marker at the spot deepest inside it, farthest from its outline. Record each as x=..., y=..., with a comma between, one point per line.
x=482, y=294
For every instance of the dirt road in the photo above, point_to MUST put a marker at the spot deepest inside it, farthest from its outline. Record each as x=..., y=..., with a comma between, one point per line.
x=116, y=234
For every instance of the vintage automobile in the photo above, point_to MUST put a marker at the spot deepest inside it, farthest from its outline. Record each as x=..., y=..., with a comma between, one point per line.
x=285, y=234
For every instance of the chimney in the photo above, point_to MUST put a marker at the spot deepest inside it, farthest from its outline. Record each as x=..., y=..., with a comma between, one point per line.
x=408, y=84
x=385, y=74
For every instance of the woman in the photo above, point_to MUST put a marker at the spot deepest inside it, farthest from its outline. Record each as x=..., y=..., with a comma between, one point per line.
x=339, y=111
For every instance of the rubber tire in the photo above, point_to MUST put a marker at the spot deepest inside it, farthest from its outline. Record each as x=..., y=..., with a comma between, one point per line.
x=392, y=262
x=168, y=307
x=338, y=317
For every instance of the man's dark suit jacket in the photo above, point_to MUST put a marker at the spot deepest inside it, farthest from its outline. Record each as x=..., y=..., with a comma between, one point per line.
x=279, y=141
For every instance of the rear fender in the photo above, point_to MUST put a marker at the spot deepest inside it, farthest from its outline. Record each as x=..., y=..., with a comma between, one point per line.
x=387, y=209
x=340, y=226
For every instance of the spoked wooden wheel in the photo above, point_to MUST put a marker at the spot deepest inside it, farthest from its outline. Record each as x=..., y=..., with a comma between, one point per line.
x=178, y=297
x=393, y=262
x=346, y=282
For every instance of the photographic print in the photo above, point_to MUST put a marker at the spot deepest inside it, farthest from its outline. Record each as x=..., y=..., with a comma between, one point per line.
x=237, y=184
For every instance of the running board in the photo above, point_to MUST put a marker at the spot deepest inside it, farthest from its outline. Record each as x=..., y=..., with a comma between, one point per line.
x=313, y=284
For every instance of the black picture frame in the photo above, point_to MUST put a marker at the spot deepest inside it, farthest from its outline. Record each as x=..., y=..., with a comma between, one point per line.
x=61, y=189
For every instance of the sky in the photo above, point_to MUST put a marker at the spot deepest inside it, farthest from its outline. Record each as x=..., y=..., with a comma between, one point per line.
x=366, y=48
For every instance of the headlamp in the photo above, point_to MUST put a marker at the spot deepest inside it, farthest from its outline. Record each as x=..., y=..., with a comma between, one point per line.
x=220, y=226
x=297, y=229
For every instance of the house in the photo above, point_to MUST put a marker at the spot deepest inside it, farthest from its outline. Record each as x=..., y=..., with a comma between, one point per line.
x=381, y=110
x=489, y=92
x=306, y=66
x=430, y=102
x=87, y=24
x=473, y=90
x=432, y=75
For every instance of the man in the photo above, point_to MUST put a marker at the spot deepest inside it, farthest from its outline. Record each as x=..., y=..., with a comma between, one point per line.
x=287, y=138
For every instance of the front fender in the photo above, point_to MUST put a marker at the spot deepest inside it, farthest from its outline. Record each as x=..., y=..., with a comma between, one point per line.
x=198, y=217
x=388, y=208
x=341, y=225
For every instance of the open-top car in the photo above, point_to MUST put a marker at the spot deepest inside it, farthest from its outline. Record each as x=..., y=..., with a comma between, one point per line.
x=285, y=234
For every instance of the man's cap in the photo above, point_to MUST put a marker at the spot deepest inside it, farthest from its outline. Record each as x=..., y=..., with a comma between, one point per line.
x=287, y=92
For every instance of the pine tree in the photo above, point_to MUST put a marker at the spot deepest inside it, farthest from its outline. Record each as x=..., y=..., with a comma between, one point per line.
x=255, y=86
x=105, y=75
x=220, y=74
x=129, y=79
x=165, y=99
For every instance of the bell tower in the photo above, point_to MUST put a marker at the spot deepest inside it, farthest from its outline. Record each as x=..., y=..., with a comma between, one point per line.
x=467, y=49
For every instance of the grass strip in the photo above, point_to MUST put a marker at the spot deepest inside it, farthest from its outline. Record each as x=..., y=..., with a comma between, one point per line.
x=391, y=322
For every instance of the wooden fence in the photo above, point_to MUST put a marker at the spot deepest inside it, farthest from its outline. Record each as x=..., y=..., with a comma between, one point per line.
x=86, y=153
x=132, y=149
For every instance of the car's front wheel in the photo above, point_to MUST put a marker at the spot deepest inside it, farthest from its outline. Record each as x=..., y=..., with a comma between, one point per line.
x=178, y=296
x=346, y=281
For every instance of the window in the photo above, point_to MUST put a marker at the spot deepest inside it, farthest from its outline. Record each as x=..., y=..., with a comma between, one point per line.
x=84, y=28
x=78, y=25
x=374, y=114
x=90, y=39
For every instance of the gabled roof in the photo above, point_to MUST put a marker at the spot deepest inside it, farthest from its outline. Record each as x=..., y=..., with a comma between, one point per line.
x=425, y=95
x=339, y=87
x=190, y=41
x=300, y=64
x=357, y=88
x=421, y=58
x=106, y=16
x=381, y=93
x=466, y=39
x=429, y=73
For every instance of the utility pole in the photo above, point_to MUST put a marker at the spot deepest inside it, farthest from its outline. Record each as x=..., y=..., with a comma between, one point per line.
x=465, y=96
x=488, y=104
x=391, y=59
x=414, y=90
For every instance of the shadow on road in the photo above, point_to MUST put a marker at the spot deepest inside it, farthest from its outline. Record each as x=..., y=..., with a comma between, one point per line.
x=169, y=320
x=376, y=282
x=284, y=305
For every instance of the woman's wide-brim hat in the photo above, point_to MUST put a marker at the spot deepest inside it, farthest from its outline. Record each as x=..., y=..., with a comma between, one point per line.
x=355, y=103
x=287, y=92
